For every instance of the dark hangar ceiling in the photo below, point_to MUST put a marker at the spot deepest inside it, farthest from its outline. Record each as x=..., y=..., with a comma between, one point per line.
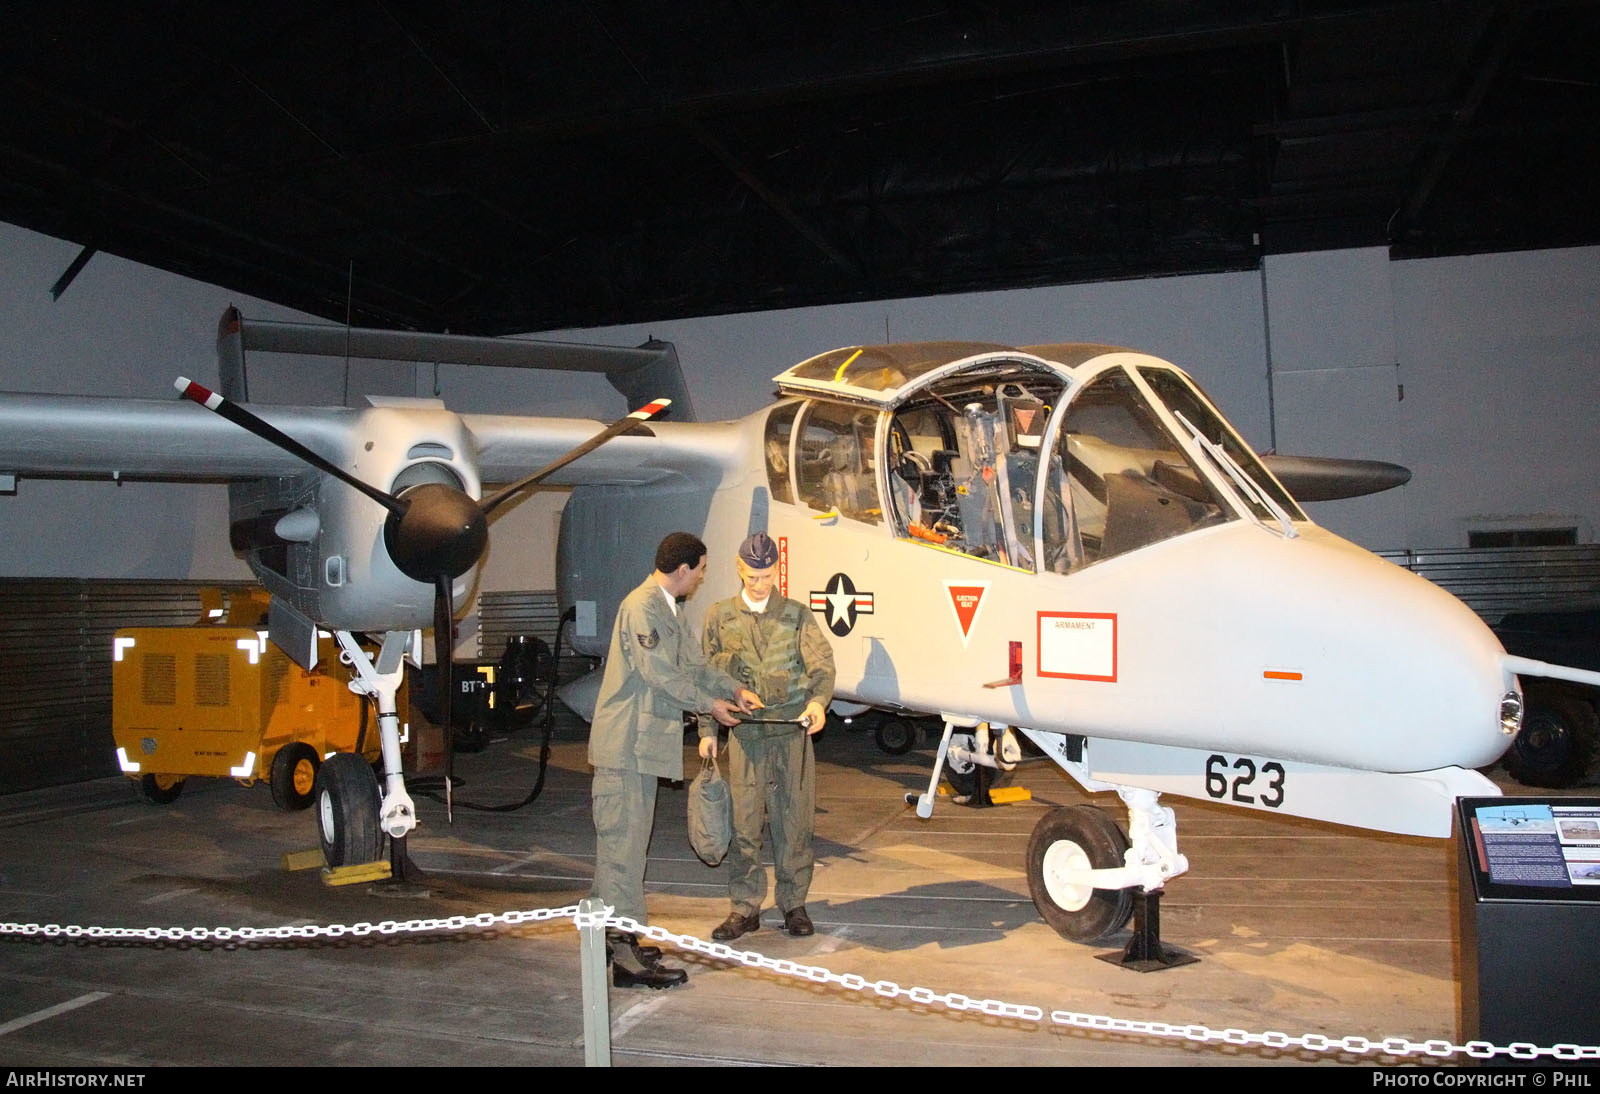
x=492, y=166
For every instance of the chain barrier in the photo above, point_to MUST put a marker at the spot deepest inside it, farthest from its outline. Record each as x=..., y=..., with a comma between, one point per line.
x=1399, y=1047
x=483, y=920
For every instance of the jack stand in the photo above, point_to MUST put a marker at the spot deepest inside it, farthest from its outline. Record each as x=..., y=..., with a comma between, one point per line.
x=405, y=879
x=1144, y=952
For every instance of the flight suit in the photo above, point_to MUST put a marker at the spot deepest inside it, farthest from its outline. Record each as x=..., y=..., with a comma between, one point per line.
x=781, y=655
x=654, y=672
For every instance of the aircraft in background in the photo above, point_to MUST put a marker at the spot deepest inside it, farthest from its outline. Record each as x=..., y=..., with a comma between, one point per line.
x=1065, y=541
x=369, y=521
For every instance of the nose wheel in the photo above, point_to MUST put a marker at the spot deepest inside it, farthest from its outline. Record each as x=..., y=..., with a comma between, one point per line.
x=1069, y=840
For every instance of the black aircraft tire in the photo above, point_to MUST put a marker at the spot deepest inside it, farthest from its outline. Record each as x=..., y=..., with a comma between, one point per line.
x=160, y=789
x=1559, y=742
x=896, y=735
x=962, y=782
x=474, y=738
x=294, y=776
x=1077, y=836
x=347, y=801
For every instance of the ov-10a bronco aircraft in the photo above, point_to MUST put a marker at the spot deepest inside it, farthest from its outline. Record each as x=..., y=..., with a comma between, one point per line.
x=1067, y=541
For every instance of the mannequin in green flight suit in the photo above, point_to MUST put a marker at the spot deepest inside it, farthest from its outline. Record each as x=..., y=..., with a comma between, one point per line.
x=655, y=672
x=773, y=646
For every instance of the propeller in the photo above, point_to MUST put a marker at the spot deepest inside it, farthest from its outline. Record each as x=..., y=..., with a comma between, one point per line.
x=434, y=532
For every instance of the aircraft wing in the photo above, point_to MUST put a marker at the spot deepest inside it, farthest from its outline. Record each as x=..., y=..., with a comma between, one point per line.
x=93, y=436
x=90, y=436
x=78, y=436
x=510, y=446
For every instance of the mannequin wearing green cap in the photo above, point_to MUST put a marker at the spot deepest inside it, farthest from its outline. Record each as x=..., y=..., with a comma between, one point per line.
x=773, y=646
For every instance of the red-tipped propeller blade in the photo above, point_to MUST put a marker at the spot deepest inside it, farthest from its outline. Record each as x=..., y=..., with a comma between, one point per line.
x=244, y=419
x=500, y=496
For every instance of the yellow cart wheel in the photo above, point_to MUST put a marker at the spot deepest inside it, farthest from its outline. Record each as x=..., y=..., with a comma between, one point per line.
x=160, y=789
x=294, y=776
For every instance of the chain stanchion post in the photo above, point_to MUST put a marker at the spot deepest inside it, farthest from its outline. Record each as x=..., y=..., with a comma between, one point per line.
x=596, y=991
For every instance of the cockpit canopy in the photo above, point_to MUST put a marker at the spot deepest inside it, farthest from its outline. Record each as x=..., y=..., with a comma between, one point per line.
x=1038, y=463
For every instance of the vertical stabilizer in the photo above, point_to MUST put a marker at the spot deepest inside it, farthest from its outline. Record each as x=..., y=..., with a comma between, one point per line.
x=230, y=356
x=660, y=378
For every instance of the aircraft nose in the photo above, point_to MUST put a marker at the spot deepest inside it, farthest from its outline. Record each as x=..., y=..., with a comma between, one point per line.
x=1444, y=680
x=1403, y=675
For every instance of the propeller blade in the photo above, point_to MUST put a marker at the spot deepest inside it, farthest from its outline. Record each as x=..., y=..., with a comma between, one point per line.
x=444, y=665
x=243, y=418
x=505, y=493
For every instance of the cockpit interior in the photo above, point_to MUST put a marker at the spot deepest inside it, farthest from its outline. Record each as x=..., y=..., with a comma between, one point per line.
x=1009, y=461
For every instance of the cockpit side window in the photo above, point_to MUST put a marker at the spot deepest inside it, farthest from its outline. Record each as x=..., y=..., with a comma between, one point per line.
x=1126, y=482
x=780, y=427
x=964, y=464
x=1182, y=398
x=833, y=461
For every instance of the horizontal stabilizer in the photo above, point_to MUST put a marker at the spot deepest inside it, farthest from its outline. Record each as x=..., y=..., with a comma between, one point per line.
x=638, y=372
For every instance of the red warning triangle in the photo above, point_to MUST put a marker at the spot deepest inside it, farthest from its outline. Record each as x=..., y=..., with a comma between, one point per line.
x=966, y=599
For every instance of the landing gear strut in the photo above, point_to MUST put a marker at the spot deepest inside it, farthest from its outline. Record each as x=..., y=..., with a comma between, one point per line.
x=353, y=812
x=1087, y=879
x=970, y=761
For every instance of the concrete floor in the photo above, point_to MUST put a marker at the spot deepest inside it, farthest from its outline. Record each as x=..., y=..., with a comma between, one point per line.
x=1301, y=928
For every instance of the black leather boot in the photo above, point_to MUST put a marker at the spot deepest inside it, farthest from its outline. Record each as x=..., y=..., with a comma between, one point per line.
x=647, y=955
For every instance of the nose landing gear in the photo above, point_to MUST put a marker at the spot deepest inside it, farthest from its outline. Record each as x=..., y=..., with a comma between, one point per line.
x=1088, y=880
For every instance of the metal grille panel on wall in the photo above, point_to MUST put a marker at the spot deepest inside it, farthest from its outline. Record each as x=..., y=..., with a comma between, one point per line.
x=55, y=669
x=1495, y=580
x=502, y=615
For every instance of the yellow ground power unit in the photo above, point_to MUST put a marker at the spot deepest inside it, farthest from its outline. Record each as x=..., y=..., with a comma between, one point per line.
x=216, y=698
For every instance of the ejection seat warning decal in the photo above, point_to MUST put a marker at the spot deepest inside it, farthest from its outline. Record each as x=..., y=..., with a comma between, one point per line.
x=966, y=600
x=1078, y=645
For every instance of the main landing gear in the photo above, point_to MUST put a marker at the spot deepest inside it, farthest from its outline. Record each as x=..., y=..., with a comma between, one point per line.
x=1072, y=847
x=353, y=812
x=1067, y=843
x=969, y=759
